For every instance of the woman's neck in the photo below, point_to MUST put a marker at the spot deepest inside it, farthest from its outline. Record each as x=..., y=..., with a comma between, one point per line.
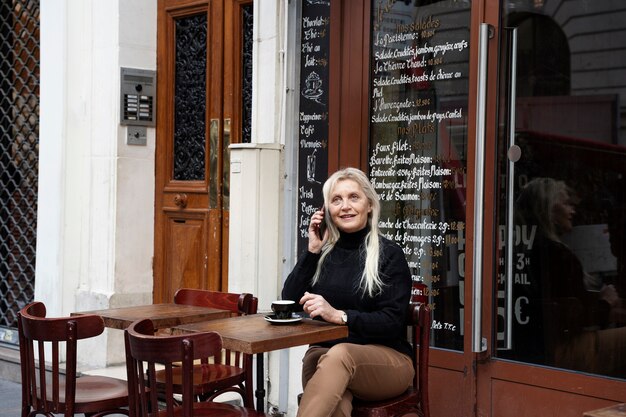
x=352, y=240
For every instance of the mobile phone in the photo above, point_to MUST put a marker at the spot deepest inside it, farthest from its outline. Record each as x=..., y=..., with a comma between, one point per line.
x=322, y=227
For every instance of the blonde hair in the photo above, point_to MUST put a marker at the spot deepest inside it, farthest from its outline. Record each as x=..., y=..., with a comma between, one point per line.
x=536, y=202
x=371, y=283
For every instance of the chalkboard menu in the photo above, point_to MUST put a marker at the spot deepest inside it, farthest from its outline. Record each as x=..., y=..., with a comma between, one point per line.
x=418, y=146
x=313, y=112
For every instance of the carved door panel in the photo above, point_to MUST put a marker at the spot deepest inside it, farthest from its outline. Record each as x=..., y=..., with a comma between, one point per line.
x=199, y=61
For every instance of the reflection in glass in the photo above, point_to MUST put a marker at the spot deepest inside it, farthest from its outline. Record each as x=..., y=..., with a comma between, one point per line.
x=418, y=147
x=568, y=281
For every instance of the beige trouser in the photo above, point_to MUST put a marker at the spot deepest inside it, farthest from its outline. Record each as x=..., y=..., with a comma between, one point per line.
x=601, y=351
x=331, y=377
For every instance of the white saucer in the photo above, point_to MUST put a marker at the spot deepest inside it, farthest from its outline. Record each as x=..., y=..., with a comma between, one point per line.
x=272, y=319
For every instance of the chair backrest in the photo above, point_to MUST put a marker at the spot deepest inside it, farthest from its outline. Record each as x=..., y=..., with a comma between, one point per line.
x=145, y=352
x=238, y=304
x=39, y=336
x=420, y=321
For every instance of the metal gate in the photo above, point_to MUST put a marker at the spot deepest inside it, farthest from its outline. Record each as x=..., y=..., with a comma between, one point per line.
x=19, y=156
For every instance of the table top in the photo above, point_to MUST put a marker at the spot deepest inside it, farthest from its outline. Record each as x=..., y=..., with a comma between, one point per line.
x=162, y=315
x=253, y=334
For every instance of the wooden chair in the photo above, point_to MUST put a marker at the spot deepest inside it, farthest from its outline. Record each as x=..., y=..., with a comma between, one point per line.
x=145, y=352
x=414, y=401
x=231, y=371
x=49, y=393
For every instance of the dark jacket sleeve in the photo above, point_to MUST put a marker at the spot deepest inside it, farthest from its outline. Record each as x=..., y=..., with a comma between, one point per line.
x=564, y=273
x=299, y=280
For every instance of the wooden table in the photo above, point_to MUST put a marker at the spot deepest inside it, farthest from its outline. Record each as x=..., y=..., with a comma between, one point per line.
x=254, y=335
x=162, y=315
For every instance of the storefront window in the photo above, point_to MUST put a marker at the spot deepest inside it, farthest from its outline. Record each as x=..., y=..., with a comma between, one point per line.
x=418, y=146
x=562, y=251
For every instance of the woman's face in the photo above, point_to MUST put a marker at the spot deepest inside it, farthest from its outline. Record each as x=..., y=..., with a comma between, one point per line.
x=562, y=213
x=349, y=207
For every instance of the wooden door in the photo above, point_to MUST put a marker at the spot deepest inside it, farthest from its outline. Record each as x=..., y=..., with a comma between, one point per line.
x=202, y=108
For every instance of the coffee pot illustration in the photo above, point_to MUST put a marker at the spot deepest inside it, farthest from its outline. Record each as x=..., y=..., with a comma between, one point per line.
x=313, y=87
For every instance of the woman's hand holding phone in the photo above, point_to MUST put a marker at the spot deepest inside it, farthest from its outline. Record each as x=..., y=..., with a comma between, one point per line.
x=317, y=231
x=321, y=228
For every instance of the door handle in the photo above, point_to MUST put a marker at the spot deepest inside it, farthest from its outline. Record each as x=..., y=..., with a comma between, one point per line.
x=479, y=344
x=180, y=200
x=513, y=155
x=214, y=136
x=226, y=165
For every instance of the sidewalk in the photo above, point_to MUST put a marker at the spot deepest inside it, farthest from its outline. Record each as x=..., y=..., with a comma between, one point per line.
x=11, y=394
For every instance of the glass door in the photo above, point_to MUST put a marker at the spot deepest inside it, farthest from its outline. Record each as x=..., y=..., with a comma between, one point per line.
x=559, y=281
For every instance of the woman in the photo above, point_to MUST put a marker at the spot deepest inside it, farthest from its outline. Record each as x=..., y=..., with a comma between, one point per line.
x=351, y=275
x=573, y=307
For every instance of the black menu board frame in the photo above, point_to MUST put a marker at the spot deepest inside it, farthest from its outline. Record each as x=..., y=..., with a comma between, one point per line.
x=313, y=112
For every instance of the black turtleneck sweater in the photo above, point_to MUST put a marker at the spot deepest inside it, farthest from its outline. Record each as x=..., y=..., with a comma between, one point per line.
x=371, y=320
